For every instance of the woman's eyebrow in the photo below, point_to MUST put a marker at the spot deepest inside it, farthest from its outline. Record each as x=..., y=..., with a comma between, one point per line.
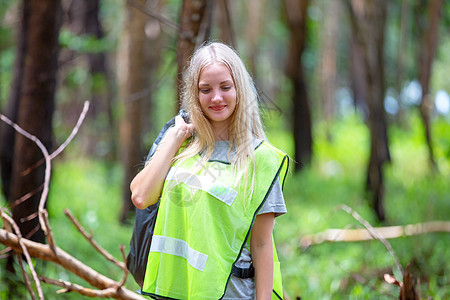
x=227, y=81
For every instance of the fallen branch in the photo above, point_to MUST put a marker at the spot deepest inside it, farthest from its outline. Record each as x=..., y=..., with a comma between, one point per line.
x=72, y=287
x=388, y=232
x=10, y=224
x=93, y=242
x=68, y=262
x=51, y=252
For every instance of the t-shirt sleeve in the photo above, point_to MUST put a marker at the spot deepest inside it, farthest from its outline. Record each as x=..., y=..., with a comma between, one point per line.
x=275, y=201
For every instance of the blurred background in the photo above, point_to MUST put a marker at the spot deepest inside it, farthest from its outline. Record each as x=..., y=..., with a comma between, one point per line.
x=355, y=91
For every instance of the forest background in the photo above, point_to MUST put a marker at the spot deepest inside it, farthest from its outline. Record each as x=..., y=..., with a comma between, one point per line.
x=356, y=92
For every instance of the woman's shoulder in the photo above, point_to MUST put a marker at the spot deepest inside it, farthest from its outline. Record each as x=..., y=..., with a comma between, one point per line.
x=264, y=147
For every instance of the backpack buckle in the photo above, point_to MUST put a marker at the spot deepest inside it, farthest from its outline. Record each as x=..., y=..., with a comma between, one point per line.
x=243, y=272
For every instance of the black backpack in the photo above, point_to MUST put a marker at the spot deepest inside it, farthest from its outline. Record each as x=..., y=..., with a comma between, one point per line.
x=144, y=223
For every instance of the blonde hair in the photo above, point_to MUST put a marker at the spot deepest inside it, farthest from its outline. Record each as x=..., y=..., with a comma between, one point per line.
x=245, y=123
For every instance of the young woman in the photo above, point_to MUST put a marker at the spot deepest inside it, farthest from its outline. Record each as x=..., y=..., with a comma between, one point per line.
x=219, y=183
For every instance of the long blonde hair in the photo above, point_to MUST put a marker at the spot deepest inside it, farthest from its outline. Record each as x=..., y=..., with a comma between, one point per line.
x=246, y=121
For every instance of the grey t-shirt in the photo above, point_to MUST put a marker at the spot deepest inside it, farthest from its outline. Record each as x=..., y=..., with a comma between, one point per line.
x=239, y=288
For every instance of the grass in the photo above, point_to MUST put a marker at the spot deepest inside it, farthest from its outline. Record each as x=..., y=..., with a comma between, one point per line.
x=92, y=191
x=336, y=176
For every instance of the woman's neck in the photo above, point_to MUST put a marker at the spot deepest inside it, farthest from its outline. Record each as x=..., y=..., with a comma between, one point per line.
x=221, y=131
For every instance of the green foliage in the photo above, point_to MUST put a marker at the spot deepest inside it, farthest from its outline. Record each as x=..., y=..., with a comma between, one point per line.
x=83, y=44
x=413, y=194
x=92, y=191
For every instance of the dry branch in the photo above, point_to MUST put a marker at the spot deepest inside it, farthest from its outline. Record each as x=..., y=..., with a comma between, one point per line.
x=11, y=224
x=60, y=257
x=93, y=242
x=72, y=287
x=51, y=252
x=388, y=232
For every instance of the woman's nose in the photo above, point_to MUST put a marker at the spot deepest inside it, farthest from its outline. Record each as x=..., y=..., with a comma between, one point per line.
x=217, y=96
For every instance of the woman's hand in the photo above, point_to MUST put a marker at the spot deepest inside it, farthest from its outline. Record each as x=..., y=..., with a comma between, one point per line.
x=146, y=187
x=182, y=129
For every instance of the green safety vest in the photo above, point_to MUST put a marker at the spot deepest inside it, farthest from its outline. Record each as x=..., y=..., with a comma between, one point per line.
x=204, y=221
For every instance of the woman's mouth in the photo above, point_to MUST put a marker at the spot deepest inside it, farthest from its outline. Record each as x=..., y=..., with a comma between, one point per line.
x=218, y=107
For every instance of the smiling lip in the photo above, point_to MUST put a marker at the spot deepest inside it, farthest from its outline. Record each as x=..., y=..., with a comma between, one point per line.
x=218, y=107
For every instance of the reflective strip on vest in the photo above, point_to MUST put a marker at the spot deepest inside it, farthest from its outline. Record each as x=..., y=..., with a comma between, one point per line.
x=180, y=248
x=205, y=183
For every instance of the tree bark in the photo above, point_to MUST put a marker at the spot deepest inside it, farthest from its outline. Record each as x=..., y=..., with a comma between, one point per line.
x=429, y=37
x=195, y=27
x=132, y=81
x=35, y=109
x=328, y=67
x=296, y=11
x=7, y=134
x=368, y=20
x=102, y=92
x=254, y=26
x=31, y=106
x=223, y=11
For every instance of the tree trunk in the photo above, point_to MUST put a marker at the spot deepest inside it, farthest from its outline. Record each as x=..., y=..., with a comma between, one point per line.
x=132, y=81
x=404, y=42
x=328, y=74
x=429, y=37
x=195, y=27
x=254, y=26
x=102, y=93
x=296, y=16
x=7, y=134
x=368, y=20
x=223, y=12
x=31, y=106
x=36, y=106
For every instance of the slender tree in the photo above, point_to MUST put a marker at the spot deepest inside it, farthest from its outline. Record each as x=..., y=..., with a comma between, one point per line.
x=31, y=105
x=428, y=28
x=195, y=28
x=328, y=66
x=296, y=11
x=132, y=82
x=253, y=30
x=368, y=20
x=223, y=11
x=102, y=91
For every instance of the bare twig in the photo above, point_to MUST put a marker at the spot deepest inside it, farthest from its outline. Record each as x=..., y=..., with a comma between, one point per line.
x=388, y=232
x=51, y=241
x=27, y=196
x=74, y=131
x=72, y=287
x=66, y=142
x=125, y=269
x=47, y=163
x=374, y=233
x=25, y=277
x=92, y=241
x=60, y=257
x=5, y=251
x=20, y=241
x=152, y=14
x=47, y=159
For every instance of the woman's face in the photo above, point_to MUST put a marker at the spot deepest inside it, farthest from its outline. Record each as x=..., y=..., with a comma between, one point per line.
x=217, y=95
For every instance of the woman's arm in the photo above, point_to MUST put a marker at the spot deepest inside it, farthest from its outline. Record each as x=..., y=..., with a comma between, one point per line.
x=261, y=249
x=147, y=185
